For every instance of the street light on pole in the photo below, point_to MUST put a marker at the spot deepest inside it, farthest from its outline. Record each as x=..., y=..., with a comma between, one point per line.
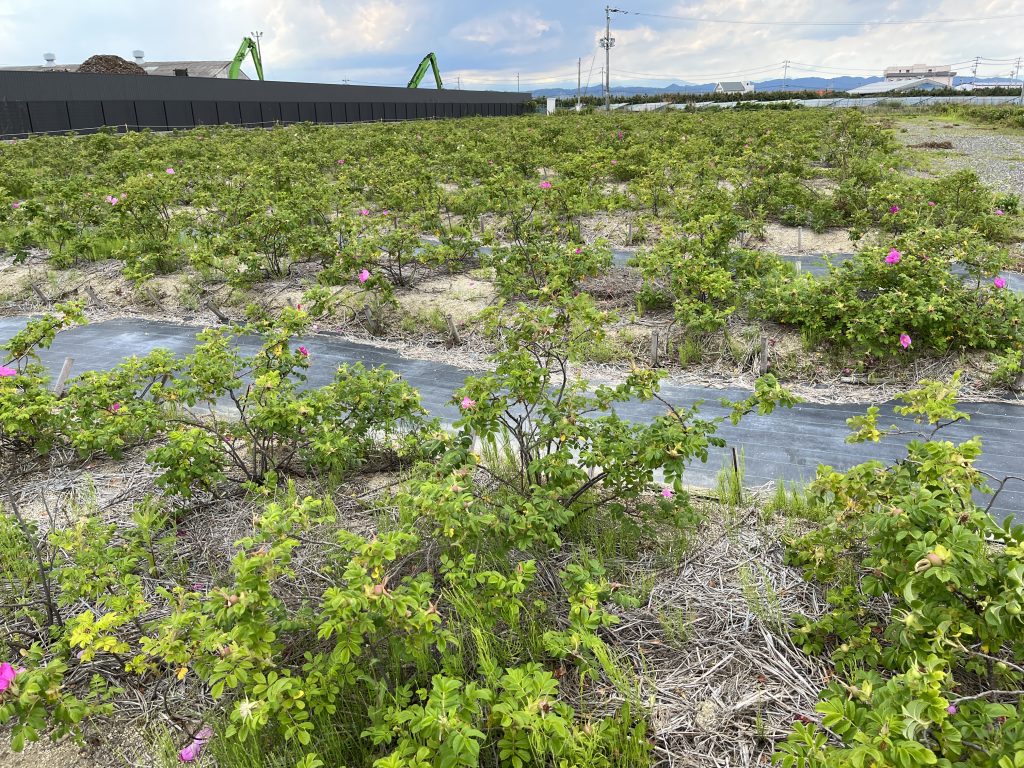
x=256, y=36
x=607, y=42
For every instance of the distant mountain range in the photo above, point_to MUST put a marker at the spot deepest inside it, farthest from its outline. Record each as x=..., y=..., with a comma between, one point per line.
x=843, y=83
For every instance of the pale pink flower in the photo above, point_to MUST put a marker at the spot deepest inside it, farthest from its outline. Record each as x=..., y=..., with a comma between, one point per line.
x=170, y=171
x=905, y=340
x=667, y=492
x=999, y=211
x=999, y=282
x=467, y=403
x=364, y=275
x=893, y=257
x=615, y=162
x=15, y=205
x=6, y=372
x=545, y=185
x=578, y=250
x=931, y=203
x=364, y=212
x=385, y=212
x=341, y=162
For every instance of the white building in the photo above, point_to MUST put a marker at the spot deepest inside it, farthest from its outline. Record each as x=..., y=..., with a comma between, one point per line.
x=939, y=72
x=734, y=86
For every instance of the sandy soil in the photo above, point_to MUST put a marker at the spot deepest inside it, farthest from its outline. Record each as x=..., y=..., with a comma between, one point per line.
x=45, y=754
x=788, y=240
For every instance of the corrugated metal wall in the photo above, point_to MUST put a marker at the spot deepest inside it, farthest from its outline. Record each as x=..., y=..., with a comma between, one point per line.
x=55, y=102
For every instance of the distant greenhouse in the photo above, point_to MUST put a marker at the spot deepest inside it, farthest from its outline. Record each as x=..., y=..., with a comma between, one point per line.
x=899, y=86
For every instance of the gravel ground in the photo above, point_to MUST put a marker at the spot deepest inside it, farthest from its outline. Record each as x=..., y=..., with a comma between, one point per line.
x=997, y=158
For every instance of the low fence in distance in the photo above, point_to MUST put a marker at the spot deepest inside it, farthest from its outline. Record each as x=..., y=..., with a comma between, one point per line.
x=59, y=102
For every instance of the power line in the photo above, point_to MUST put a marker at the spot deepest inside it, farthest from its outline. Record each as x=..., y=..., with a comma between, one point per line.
x=865, y=23
x=750, y=71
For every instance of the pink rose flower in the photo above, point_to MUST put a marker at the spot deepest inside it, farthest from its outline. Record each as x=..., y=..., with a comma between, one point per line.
x=999, y=282
x=7, y=675
x=467, y=403
x=905, y=340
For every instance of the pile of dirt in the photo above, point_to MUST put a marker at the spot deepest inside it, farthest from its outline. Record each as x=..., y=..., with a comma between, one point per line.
x=107, y=64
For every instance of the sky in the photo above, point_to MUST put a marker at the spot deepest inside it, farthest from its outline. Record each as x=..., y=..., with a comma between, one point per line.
x=484, y=44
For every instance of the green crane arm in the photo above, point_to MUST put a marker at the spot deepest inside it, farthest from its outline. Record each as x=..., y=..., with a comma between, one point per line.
x=247, y=47
x=430, y=60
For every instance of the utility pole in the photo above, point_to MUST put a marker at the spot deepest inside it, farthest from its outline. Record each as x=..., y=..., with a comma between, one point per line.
x=579, y=80
x=785, y=75
x=256, y=36
x=607, y=42
x=974, y=70
x=517, y=82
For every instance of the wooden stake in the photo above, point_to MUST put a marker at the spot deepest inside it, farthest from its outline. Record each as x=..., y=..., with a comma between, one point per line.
x=154, y=298
x=62, y=379
x=220, y=315
x=762, y=358
x=453, y=332
x=93, y=296
x=799, y=239
x=629, y=233
x=654, y=349
x=736, y=470
x=40, y=294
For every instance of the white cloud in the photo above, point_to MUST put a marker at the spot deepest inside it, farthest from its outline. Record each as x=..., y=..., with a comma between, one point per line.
x=510, y=32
